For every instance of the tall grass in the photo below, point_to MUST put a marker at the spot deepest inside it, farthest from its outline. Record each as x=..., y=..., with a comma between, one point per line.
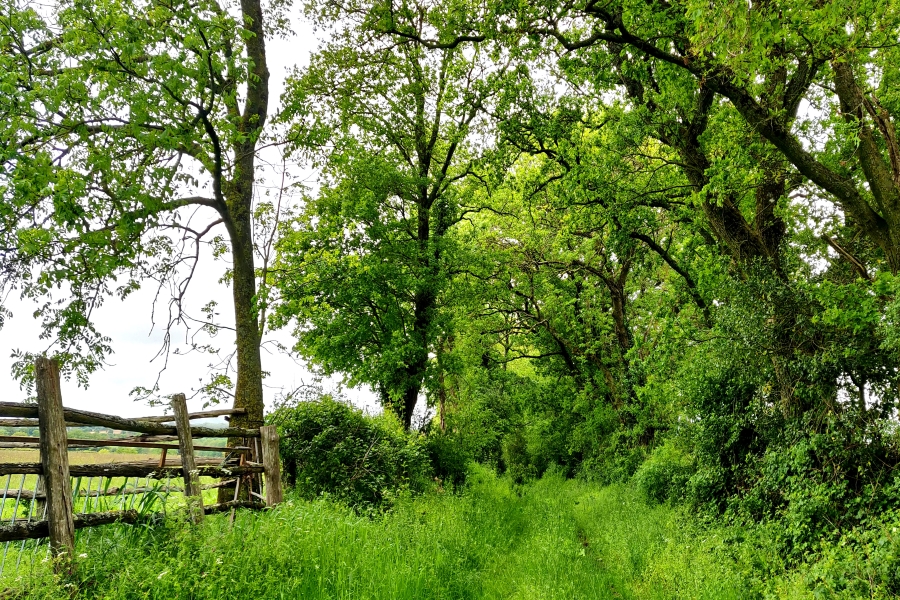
x=551, y=539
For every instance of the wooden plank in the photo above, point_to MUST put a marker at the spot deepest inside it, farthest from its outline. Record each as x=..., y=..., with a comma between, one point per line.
x=24, y=439
x=136, y=469
x=192, y=493
x=271, y=459
x=24, y=530
x=153, y=471
x=224, y=412
x=219, y=484
x=232, y=504
x=123, y=491
x=55, y=460
x=150, y=438
x=18, y=410
x=29, y=423
x=21, y=469
x=80, y=418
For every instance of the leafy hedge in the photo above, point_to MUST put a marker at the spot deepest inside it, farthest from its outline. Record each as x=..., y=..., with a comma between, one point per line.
x=329, y=447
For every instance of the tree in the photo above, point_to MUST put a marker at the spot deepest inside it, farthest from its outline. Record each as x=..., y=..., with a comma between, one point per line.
x=121, y=121
x=744, y=185
x=767, y=60
x=390, y=110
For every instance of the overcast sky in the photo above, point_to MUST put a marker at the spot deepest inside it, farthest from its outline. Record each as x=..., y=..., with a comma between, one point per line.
x=128, y=322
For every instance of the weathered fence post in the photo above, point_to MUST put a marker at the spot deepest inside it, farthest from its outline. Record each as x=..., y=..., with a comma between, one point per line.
x=192, y=494
x=40, y=501
x=55, y=460
x=271, y=458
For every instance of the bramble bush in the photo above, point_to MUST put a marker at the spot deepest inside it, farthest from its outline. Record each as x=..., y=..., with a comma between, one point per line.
x=825, y=477
x=862, y=563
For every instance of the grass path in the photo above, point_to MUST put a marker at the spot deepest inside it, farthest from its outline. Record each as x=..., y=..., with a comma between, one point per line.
x=553, y=539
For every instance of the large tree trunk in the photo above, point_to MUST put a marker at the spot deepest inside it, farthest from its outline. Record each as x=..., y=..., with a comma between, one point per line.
x=248, y=389
x=410, y=397
x=248, y=393
x=414, y=373
x=238, y=192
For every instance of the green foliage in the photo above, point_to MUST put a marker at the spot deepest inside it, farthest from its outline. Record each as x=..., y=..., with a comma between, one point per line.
x=392, y=123
x=725, y=435
x=330, y=448
x=665, y=474
x=603, y=241
x=124, y=125
x=862, y=563
x=449, y=459
x=822, y=479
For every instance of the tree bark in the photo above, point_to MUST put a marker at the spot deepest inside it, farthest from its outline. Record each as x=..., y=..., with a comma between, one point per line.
x=238, y=193
x=239, y=197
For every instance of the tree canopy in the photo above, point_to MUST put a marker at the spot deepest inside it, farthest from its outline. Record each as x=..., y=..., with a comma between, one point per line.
x=396, y=125
x=129, y=134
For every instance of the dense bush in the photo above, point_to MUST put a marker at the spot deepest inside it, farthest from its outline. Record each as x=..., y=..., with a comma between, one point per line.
x=665, y=474
x=824, y=477
x=329, y=447
x=863, y=563
x=449, y=457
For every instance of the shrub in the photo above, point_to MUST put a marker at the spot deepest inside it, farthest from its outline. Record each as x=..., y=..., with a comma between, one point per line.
x=329, y=447
x=516, y=458
x=826, y=476
x=863, y=563
x=665, y=474
x=450, y=459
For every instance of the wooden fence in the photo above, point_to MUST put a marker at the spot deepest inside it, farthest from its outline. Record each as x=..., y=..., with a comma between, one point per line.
x=253, y=467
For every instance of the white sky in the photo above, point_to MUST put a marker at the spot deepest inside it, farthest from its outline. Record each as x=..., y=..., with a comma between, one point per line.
x=128, y=322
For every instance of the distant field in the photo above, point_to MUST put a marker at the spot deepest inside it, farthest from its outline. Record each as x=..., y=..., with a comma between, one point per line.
x=76, y=457
x=10, y=484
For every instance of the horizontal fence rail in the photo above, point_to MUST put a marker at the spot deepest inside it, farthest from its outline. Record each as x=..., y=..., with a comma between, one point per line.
x=135, y=469
x=224, y=412
x=51, y=499
x=35, y=441
x=80, y=418
x=27, y=422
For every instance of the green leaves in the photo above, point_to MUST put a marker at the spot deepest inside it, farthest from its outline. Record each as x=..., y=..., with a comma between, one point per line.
x=116, y=119
x=390, y=112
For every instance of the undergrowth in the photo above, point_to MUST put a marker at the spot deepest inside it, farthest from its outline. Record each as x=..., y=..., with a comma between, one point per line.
x=553, y=538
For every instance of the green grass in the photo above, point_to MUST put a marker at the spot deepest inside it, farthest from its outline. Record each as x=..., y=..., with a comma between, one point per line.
x=551, y=539
x=84, y=503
